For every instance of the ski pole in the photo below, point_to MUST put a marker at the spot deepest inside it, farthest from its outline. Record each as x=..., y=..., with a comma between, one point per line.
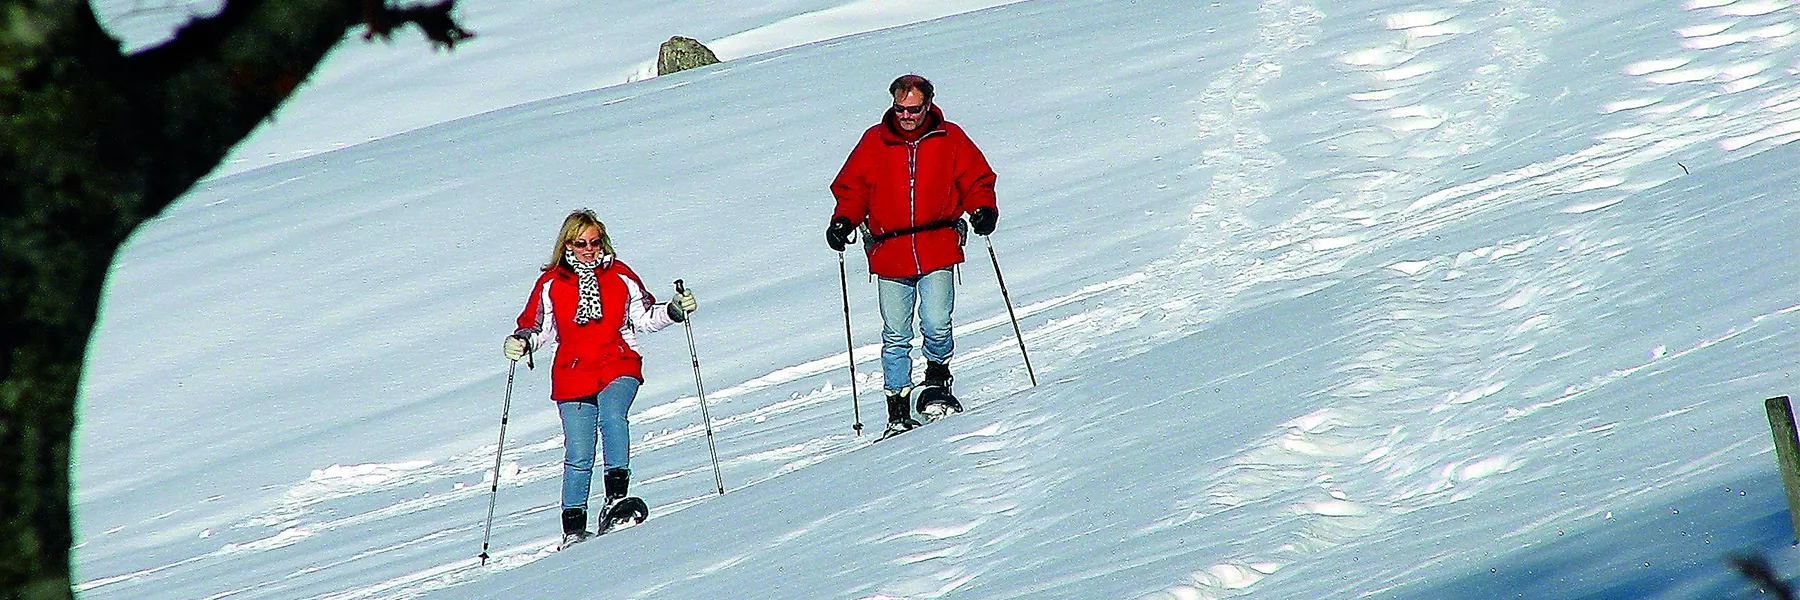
x=1009, y=310
x=850, y=346
x=494, y=492
x=700, y=388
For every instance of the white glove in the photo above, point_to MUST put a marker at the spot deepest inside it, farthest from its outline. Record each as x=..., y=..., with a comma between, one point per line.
x=514, y=348
x=682, y=304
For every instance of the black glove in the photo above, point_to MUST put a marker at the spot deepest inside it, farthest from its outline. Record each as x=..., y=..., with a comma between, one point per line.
x=838, y=234
x=982, y=220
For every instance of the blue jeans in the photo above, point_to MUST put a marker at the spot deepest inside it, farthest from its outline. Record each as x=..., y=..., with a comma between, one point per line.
x=934, y=294
x=601, y=415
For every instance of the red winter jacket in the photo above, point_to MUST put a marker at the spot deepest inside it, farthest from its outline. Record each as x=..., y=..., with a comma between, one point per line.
x=896, y=180
x=590, y=356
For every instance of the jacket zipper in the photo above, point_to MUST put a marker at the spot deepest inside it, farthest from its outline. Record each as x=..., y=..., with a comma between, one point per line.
x=912, y=191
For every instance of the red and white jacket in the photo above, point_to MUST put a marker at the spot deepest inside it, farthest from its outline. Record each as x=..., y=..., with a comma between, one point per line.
x=588, y=357
x=896, y=180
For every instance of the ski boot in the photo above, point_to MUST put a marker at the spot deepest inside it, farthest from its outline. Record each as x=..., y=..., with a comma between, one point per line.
x=621, y=508
x=899, y=414
x=574, y=522
x=934, y=397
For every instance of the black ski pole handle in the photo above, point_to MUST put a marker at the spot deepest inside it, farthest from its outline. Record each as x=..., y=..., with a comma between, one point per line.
x=529, y=351
x=679, y=289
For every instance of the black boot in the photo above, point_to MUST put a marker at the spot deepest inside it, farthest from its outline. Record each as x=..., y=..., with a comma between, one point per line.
x=617, y=481
x=899, y=413
x=574, y=521
x=619, y=507
x=934, y=397
x=937, y=374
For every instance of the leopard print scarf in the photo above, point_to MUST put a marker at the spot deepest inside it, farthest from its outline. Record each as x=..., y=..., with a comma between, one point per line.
x=589, y=283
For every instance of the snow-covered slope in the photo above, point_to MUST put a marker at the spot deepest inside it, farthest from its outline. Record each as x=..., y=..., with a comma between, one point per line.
x=1402, y=299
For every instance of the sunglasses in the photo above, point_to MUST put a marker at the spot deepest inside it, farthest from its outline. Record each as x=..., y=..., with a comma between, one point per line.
x=584, y=244
x=910, y=110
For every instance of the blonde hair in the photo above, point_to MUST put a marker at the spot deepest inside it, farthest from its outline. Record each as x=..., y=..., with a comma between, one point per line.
x=572, y=227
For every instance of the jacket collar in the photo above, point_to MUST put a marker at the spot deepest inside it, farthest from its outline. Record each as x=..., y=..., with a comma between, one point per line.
x=892, y=134
x=564, y=269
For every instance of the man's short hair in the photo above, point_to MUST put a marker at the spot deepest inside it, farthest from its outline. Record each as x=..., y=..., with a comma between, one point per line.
x=909, y=83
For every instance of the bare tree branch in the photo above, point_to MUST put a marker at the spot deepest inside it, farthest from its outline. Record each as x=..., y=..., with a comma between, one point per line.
x=433, y=20
x=1756, y=569
x=92, y=143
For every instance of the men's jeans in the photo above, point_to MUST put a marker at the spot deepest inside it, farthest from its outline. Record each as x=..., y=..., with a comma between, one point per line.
x=934, y=294
x=602, y=414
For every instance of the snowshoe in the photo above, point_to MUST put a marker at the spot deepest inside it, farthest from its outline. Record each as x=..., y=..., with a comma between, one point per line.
x=894, y=429
x=937, y=402
x=570, y=539
x=934, y=397
x=620, y=508
x=626, y=510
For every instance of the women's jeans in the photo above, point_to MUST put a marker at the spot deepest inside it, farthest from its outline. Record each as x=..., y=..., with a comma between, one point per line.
x=601, y=415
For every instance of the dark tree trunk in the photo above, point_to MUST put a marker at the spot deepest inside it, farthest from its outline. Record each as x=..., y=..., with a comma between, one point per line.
x=92, y=143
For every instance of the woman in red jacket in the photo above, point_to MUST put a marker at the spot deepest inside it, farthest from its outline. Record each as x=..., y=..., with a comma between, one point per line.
x=592, y=307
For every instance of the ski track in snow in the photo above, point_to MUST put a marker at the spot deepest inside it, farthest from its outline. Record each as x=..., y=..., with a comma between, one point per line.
x=1345, y=468
x=1348, y=467
x=1400, y=136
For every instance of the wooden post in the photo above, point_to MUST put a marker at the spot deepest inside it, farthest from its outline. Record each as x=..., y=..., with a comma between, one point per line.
x=1787, y=453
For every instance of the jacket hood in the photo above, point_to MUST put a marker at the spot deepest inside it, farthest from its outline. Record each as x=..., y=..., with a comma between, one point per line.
x=891, y=132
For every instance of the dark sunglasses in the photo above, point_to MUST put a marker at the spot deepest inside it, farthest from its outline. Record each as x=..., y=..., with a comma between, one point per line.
x=910, y=110
x=595, y=243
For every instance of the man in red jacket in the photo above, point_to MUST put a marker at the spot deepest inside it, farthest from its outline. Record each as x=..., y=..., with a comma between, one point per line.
x=907, y=183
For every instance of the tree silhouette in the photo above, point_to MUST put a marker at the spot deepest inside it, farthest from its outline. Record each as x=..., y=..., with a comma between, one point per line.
x=94, y=141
